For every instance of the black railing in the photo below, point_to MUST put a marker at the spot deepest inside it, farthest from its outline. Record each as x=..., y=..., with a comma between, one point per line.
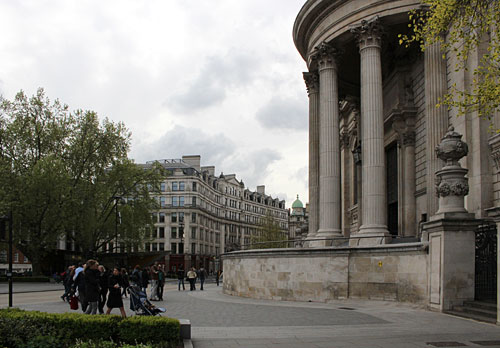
x=336, y=241
x=486, y=262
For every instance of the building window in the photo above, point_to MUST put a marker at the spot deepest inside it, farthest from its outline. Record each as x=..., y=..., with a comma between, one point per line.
x=193, y=217
x=146, y=247
x=194, y=186
x=3, y=256
x=181, y=201
x=173, y=217
x=16, y=257
x=181, y=186
x=193, y=248
x=173, y=232
x=193, y=232
x=162, y=217
x=161, y=246
x=175, y=201
x=163, y=202
x=173, y=248
x=194, y=202
x=175, y=186
x=162, y=187
x=181, y=217
x=154, y=246
x=161, y=232
x=154, y=217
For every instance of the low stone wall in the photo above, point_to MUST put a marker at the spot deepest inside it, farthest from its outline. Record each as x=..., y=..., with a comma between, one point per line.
x=389, y=272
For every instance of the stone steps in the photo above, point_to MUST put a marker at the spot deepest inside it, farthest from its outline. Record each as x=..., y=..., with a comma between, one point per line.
x=477, y=310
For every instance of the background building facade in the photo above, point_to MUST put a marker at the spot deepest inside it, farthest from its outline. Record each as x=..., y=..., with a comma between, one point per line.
x=202, y=215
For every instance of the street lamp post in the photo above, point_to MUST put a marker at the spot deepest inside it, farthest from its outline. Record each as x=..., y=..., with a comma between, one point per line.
x=117, y=218
x=9, y=273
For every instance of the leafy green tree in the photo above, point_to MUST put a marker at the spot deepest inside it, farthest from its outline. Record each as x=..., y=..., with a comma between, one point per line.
x=463, y=27
x=61, y=173
x=33, y=177
x=269, y=235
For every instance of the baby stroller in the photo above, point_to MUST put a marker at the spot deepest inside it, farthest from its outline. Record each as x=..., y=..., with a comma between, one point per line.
x=140, y=304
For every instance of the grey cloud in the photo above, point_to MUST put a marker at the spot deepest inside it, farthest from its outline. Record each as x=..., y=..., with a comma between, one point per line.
x=283, y=113
x=209, y=87
x=187, y=141
x=302, y=176
x=253, y=167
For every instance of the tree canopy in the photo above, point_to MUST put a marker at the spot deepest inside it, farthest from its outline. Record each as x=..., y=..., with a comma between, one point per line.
x=463, y=27
x=61, y=173
x=269, y=235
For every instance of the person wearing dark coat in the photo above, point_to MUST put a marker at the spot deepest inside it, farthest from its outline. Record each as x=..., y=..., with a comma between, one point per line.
x=145, y=279
x=103, y=283
x=135, y=277
x=202, y=273
x=92, y=288
x=126, y=282
x=115, y=283
x=180, y=278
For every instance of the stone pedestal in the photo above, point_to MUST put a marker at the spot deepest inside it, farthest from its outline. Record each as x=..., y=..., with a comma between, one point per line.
x=451, y=260
x=451, y=231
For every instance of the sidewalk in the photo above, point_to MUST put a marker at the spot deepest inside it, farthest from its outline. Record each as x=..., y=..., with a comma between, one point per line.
x=19, y=287
x=224, y=321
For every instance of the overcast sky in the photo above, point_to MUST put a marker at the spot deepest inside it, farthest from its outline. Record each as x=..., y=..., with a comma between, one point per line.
x=219, y=78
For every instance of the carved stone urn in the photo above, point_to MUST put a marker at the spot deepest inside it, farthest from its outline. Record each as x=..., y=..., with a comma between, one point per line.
x=451, y=184
x=452, y=148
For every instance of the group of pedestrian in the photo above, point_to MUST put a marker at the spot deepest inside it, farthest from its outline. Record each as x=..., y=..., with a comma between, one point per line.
x=192, y=275
x=154, y=274
x=95, y=287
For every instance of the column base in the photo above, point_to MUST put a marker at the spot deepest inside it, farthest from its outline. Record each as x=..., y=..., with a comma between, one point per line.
x=370, y=235
x=326, y=237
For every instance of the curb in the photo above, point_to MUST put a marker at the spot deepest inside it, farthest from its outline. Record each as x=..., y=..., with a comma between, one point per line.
x=27, y=292
x=187, y=343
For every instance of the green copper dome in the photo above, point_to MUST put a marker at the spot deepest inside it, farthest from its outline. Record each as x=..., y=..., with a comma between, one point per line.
x=297, y=203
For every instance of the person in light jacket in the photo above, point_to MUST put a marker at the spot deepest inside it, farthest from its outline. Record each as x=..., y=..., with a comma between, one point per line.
x=191, y=275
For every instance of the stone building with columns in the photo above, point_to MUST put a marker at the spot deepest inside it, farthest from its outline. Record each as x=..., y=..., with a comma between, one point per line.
x=390, y=217
x=374, y=124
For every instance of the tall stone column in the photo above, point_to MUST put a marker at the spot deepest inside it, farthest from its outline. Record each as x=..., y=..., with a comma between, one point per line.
x=329, y=146
x=374, y=194
x=436, y=118
x=312, y=84
x=404, y=125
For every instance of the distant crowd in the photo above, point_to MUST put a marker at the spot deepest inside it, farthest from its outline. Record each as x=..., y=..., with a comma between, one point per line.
x=93, y=286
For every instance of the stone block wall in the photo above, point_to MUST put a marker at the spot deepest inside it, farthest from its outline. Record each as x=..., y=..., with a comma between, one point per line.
x=326, y=274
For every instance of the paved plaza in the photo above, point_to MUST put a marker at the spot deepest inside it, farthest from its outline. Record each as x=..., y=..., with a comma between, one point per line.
x=224, y=321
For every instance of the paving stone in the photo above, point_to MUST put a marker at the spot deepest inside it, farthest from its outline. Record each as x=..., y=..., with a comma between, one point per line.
x=224, y=321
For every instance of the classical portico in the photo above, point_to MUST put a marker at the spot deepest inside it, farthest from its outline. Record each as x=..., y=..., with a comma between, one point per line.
x=371, y=105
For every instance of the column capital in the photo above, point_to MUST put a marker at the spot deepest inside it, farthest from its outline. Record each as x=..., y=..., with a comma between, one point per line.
x=368, y=33
x=408, y=138
x=312, y=82
x=404, y=125
x=326, y=55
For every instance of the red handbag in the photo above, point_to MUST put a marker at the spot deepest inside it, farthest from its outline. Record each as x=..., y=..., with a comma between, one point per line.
x=73, y=303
